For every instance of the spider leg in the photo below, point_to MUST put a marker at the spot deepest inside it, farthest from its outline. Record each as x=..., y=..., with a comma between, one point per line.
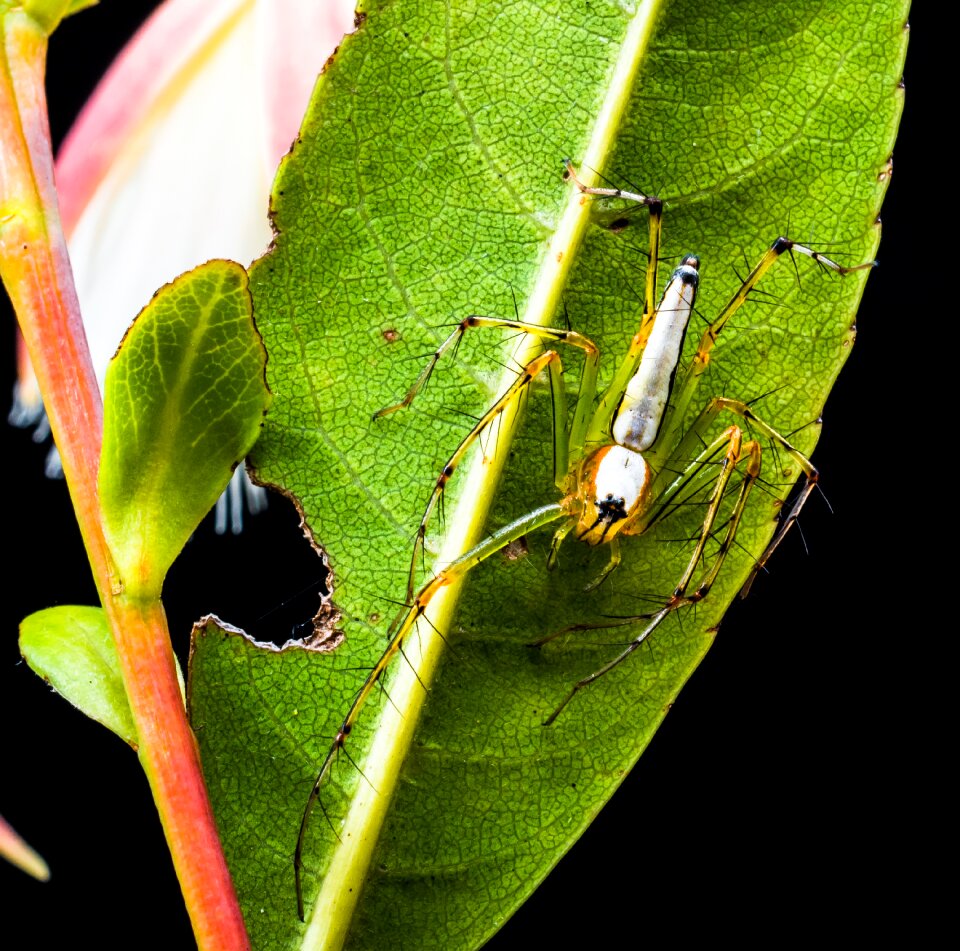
x=549, y=360
x=610, y=400
x=722, y=404
x=609, y=568
x=588, y=381
x=701, y=359
x=450, y=575
x=736, y=450
x=687, y=483
x=558, y=536
x=564, y=445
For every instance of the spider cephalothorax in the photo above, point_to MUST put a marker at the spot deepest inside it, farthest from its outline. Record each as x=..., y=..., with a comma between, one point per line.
x=613, y=486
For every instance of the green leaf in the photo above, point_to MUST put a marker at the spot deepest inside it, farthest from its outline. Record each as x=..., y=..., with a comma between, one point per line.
x=425, y=187
x=76, y=6
x=47, y=13
x=183, y=403
x=72, y=648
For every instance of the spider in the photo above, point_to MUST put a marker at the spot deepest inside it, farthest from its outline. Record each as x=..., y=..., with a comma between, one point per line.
x=624, y=464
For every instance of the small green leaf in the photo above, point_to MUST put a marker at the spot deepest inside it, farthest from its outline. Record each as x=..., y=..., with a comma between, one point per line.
x=184, y=401
x=46, y=13
x=77, y=5
x=72, y=648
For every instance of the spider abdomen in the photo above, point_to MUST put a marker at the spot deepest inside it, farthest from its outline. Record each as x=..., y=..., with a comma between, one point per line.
x=645, y=400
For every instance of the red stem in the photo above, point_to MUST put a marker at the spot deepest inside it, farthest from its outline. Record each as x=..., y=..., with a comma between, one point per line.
x=171, y=760
x=36, y=271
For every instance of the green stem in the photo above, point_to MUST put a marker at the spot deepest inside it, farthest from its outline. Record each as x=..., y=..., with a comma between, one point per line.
x=36, y=270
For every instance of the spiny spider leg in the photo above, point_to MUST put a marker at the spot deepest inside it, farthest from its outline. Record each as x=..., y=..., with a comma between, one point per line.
x=721, y=404
x=628, y=366
x=736, y=450
x=449, y=575
x=407, y=618
x=691, y=473
x=562, y=445
x=701, y=359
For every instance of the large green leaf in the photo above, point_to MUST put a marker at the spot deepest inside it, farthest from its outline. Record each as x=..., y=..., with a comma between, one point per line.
x=426, y=186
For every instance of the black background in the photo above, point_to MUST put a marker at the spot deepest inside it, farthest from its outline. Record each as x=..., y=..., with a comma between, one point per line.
x=771, y=797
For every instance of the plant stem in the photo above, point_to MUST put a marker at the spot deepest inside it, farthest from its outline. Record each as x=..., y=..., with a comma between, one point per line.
x=176, y=780
x=36, y=271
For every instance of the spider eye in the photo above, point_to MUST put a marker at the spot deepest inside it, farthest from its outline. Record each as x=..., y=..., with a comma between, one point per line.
x=611, y=508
